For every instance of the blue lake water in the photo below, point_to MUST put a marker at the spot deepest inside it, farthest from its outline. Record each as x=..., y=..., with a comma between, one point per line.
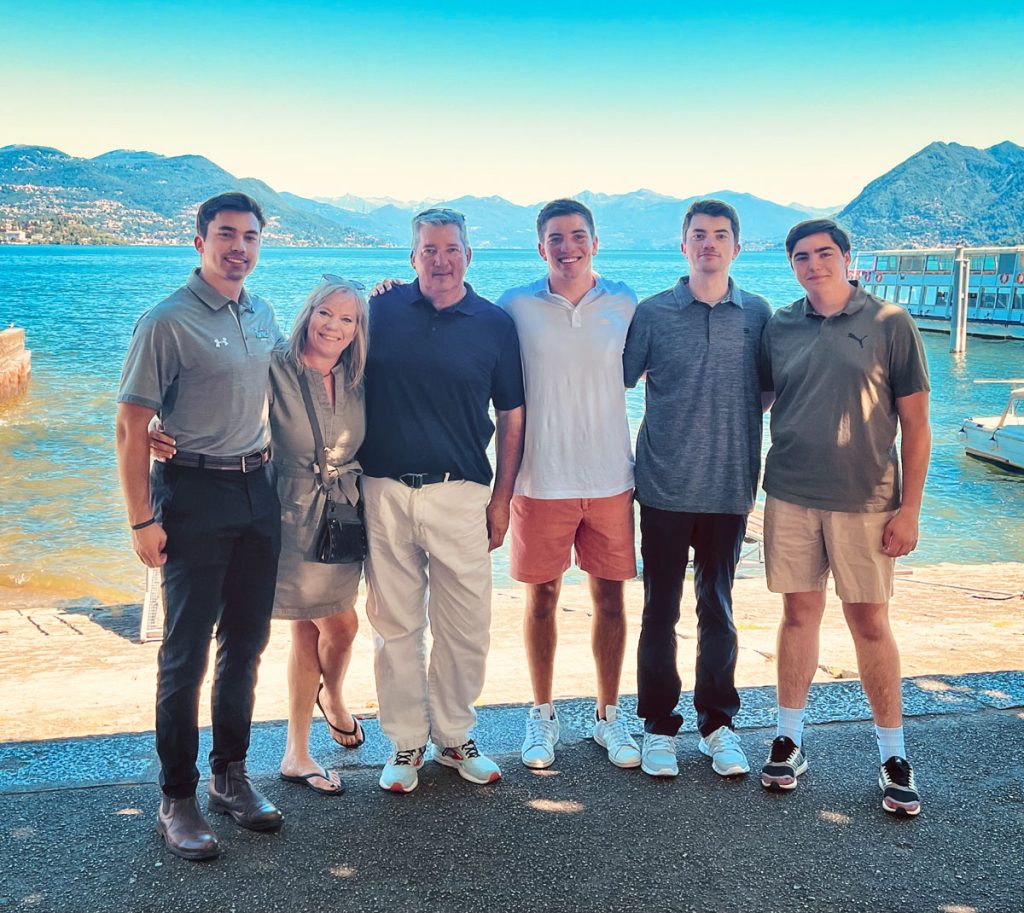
x=62, y=524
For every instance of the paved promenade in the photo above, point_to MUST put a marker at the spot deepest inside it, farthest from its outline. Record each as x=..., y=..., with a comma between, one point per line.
x=78, y=793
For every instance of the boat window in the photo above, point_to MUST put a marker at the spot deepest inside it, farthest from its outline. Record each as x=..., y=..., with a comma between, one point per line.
x=972, y=300
x=885, y=292
x=865, y=262
x=1018, y=299
x=934, y=263
x=886, y=264
x=911, y=264
x=929, y=295
x=915, y=294
x=903, y=294
x=983, y=263
x=1021, y=261
x=1006, y=262
x=942, y=298
x=1003, y=301
x=988, y=298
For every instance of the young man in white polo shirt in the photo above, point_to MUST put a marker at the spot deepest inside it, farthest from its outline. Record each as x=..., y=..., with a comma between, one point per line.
x=575, y=485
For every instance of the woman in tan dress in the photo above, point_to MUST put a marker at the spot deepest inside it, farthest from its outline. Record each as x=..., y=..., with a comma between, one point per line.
x=328, y=346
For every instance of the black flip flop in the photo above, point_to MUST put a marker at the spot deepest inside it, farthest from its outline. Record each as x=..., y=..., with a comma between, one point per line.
x=356, y=730
x=306, y=780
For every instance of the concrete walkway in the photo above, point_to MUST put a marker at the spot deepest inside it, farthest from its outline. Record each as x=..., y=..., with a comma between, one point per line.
x=78, y=780
x=78, y=823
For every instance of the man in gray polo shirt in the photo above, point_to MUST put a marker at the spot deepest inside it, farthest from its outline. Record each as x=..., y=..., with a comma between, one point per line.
x=698, y=455
x=847, y=370
x=209, y=516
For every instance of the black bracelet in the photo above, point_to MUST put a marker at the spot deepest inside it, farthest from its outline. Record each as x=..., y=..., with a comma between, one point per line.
x=144, y=523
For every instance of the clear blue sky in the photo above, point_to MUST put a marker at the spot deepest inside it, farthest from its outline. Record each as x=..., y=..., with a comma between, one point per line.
x=528, y=101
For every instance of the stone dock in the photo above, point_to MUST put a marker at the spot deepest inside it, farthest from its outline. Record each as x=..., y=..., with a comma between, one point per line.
x=15, y=364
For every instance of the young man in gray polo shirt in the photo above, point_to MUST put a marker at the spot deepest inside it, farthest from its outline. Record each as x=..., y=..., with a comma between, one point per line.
x=847, y=370
x=698, y=454
x=209, y=516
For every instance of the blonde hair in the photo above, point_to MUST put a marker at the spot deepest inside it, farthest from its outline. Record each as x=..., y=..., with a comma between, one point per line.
x=354, y=356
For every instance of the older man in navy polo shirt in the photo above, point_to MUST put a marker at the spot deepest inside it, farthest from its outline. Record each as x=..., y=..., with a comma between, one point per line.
x=439, y=356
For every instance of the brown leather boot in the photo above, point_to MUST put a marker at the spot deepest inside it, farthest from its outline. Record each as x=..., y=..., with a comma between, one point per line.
x=232, y=793
x=185, y=830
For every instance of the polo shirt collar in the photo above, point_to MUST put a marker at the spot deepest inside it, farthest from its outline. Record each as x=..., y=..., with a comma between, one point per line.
x=213, y=299
x=542, y=287
x=684, y=297
x=856, y=303
x=469, y=304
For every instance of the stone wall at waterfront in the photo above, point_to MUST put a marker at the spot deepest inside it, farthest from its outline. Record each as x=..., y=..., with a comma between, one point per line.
x=15, y=364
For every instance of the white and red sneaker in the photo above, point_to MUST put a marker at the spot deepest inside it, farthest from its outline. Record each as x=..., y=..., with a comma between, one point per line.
x=468, y=761
x=401, y=773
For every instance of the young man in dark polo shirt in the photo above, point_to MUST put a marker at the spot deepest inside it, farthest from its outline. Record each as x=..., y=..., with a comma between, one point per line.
x=209, y=516
x=847, y=370
x=439, y=355
x=698, y=454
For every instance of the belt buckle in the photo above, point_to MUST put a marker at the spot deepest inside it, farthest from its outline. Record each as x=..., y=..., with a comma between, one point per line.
x=412, y=479
x=244, y=470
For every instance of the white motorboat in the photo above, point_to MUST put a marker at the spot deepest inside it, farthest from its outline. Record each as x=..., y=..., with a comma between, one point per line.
x=999, y=439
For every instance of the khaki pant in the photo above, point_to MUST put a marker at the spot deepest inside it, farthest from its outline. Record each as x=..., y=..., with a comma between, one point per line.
x=428, y=563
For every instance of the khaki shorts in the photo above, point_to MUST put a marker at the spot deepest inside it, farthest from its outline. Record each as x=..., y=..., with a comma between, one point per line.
x=802, y=545
x=544, y=533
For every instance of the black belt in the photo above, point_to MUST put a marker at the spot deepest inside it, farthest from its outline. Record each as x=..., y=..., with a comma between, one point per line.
x=248, y=463
x=419, y=479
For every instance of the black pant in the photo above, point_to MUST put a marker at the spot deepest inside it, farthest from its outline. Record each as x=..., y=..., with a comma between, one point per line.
x=666, y=539
x=223, y=539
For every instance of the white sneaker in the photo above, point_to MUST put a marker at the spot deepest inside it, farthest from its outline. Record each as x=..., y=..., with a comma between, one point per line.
x=723, y=747
x=541, y=737
x=468, y=761
x=401, y=773
x=659, y=755
x=611, y=733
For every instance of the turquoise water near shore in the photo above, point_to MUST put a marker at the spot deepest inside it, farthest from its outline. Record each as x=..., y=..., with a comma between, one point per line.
x=62, y=526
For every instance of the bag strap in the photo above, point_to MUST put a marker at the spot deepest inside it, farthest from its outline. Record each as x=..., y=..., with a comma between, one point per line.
x=318, y=438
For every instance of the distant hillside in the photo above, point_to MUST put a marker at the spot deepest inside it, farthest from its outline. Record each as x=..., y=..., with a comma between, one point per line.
x=641, y=220
x=941, y=195
x=140, y=197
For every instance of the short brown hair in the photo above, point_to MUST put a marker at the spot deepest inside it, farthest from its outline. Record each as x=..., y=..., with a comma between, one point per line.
x=815, y=227
x=713, y=208
x=234, y=201
x=564, y=207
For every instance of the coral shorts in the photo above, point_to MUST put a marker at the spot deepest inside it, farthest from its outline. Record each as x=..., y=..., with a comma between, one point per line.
x=545, y=532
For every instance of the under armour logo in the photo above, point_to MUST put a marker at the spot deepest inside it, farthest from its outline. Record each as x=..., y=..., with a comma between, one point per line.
x=223, y=341
x=860, y=339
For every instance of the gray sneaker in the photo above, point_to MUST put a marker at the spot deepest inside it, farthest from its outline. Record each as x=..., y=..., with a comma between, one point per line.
x=723, y=747
x=658, y=757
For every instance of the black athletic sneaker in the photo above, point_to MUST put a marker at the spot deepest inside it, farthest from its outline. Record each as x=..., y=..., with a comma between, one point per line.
x=899, y=792
x=784, y=765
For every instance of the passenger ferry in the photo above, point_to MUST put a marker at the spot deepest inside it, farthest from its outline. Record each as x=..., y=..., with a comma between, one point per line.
x=922, y=282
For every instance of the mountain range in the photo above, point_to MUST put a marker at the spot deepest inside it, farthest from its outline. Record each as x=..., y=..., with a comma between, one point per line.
x=941, y=195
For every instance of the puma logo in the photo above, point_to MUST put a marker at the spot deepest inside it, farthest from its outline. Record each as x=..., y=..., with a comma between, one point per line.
x=860, y=339
x=223, y=341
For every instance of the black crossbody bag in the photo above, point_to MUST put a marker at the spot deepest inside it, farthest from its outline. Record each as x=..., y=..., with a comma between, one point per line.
x=341, y=537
